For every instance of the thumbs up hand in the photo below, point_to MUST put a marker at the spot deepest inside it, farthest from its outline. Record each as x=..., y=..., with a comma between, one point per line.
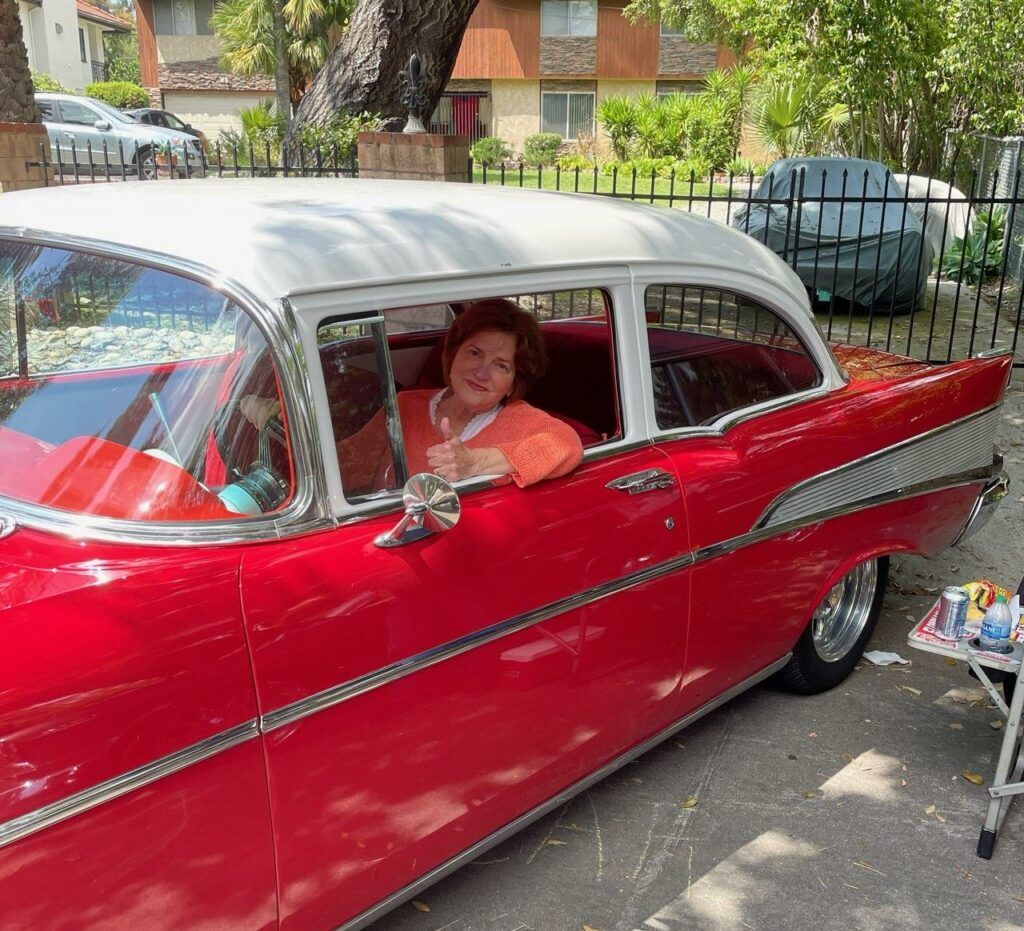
x=452, y=459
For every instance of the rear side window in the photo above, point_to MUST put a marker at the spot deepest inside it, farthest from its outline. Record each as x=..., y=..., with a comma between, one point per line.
x=130, y=392
x=45, y=109
x=714, y=352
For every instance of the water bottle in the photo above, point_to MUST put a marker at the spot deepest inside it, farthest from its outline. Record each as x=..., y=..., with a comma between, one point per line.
x=995, y=628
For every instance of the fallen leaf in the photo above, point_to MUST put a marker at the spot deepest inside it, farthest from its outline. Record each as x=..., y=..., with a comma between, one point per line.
x=956, y=726
x=812, y=734
x=691, y=802
x=910, y=688
x=848, y=757
x=637, y=779
x=996, y=725
x=555, y=843
x=420, y=906
x=903, y=766
x=810, y=794
x=954, y=568
x=588, y=928
x=903, y=782
x=930, y=810
x=950, y=661
x=939, y=817
x=974, y=778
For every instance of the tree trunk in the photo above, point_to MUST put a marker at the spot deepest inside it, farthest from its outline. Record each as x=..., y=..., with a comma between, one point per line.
x=17, y=103
x=282, y=79
x=362, y=74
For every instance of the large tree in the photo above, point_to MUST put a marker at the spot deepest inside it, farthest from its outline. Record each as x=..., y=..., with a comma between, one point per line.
x=17, y=100
x=363, y=73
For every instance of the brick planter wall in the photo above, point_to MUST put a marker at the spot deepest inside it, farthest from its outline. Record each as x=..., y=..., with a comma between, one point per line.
x=414, y=156
x=19, y=144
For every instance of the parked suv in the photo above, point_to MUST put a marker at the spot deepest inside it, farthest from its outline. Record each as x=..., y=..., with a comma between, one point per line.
x=84, y=130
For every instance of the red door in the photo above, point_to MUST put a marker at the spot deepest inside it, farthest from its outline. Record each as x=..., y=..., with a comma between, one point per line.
x=419, y=698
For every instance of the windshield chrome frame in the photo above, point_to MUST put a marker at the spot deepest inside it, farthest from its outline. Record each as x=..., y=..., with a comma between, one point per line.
x=306, y=512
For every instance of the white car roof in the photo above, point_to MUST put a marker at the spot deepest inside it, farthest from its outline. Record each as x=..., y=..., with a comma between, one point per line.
x=277, y=237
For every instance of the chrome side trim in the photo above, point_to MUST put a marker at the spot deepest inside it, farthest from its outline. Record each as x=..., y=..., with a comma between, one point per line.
x=502, y=834
x=277, y=324
x=304, y=707
x=56, y=812
x=7, y=525
x=714, y=550
x=960, y=446
x=992, y=353
x=993, y=492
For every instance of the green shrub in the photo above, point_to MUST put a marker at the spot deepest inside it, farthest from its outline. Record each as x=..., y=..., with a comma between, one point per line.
x=119, y=94
x=617, y=116
x=490, y=151
x=339, y=135
x=541, y=149
x=740, y=167
x=980, y=253
x=575, y=161
x=697, y=168
x=45, y=84
x=710, y=132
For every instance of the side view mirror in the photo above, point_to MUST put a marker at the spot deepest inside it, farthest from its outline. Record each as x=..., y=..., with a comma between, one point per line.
x=188, y=126
x=431, y=506
x=102, y=125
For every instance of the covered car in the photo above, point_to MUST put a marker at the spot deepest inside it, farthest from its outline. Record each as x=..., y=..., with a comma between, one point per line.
x=846, y=227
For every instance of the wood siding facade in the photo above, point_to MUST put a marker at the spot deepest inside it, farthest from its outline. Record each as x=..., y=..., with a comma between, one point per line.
x=145, y=26
x=502, y=40
x=624, y=49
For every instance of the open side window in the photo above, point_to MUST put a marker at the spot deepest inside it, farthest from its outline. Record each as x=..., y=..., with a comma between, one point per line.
x=368, y=362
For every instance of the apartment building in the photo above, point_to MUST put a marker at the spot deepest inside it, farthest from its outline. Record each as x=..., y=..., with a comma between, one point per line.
x=179, y=57
x=64, y=39
x=525, y=66
x=528, y=66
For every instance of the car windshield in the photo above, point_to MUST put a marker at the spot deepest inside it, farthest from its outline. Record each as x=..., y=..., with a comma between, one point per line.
x=108, y=111
x=130, y=392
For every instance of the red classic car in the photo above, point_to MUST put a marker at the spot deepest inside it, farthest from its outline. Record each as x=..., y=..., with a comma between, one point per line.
x=237, y=689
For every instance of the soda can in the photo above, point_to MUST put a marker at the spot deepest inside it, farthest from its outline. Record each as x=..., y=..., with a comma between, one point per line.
x=949, y=622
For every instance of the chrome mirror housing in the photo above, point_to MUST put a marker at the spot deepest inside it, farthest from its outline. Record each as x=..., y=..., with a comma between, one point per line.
x=431, y=506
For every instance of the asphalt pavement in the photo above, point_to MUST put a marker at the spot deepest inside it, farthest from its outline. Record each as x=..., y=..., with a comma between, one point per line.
x=848, y=809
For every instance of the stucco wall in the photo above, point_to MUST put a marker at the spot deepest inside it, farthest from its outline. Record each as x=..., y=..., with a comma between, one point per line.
x=59, y=57
x=516, y=109
x=617, y=88
x=210, y=112
x=186, y=48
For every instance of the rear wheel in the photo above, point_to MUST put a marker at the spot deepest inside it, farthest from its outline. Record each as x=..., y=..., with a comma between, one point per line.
x=838, y=631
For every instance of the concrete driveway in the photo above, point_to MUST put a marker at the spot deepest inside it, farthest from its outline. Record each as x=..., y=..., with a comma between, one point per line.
x=847, y=809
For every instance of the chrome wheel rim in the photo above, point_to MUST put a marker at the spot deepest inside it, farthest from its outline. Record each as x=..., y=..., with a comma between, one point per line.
x=839, y=620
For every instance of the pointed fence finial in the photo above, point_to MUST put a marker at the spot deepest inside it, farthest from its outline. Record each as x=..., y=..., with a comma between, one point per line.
x=413, y=96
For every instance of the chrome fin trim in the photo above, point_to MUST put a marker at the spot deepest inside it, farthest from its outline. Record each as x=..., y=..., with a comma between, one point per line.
x=513, y=827
x=54, y=813
x=304, y=707
x=961, y=446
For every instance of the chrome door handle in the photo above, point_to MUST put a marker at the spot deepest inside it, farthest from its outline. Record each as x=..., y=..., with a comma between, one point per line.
x=637, y=483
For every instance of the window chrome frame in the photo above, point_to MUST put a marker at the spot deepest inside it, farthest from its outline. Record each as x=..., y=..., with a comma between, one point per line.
x=305, y=513
x=772, y=298
x=311, y=309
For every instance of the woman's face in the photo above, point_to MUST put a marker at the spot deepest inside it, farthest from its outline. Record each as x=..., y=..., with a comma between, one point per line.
x=483, y=369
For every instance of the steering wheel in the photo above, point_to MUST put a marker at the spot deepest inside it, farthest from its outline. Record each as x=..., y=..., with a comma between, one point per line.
x=256, y=459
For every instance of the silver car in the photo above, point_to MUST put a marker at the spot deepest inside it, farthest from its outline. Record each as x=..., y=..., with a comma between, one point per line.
x=86, y=131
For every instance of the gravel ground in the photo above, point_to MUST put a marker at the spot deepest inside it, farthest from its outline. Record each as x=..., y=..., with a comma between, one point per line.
x=847, y=808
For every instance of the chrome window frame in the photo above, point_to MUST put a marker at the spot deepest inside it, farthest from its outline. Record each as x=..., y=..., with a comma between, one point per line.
x=773, y=298
x=304, y=514
x=312, y=307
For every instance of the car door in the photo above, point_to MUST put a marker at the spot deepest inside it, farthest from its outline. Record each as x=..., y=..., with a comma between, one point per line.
x=421, y=698
x=741, y=407
x=79, y=136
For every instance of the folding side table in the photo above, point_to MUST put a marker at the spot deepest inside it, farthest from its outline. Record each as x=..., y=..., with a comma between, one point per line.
x=1010, y=766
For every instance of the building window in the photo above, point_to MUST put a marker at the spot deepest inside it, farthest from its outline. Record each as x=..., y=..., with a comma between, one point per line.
x=667, y=30
x=567, y=114
x=568, y=18
x=81, y=44
x=183, y=17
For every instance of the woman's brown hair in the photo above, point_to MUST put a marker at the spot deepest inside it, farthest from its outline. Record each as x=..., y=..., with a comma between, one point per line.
x=502, y=316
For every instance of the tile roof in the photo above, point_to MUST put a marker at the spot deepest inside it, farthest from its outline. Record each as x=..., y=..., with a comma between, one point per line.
x=206, y=75
x=97, y=15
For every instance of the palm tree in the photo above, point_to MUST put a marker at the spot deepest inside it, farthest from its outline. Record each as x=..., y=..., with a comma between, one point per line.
x=249, y=35
x=786, y=115
x=617, y=117
x=17, y=100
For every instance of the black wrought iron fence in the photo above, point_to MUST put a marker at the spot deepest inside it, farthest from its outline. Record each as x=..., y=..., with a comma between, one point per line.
x=912, y=265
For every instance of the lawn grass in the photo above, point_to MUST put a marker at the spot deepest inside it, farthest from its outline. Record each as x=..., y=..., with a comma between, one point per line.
x=640, y=187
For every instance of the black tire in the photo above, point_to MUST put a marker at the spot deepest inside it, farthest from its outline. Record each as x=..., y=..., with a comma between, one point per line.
x=145, y=164
x=807, y=672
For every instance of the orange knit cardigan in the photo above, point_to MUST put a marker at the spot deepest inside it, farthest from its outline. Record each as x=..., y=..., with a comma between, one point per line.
x=536, y=445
